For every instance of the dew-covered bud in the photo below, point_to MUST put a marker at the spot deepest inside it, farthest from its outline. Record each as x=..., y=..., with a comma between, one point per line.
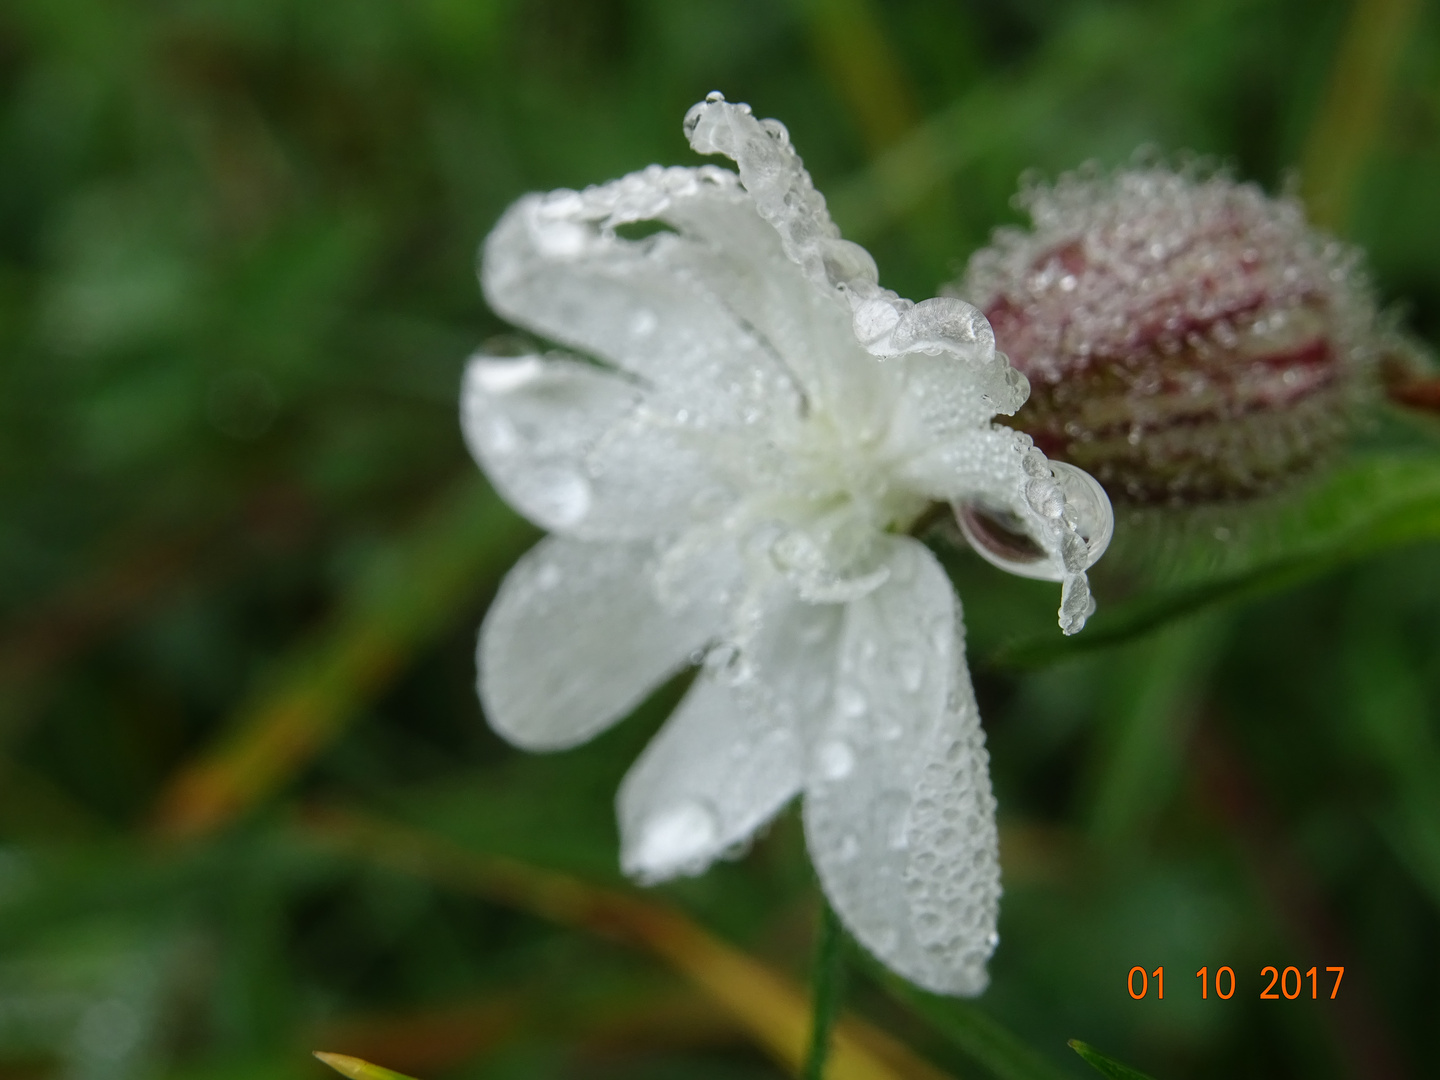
x=1187, y=338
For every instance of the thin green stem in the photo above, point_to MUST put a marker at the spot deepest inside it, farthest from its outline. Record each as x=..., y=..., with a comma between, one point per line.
x=826, y=988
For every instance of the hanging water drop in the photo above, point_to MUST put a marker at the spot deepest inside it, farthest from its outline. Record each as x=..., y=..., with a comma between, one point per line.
x=1002, y=539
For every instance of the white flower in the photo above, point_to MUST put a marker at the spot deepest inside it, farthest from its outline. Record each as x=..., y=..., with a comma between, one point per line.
x=731, y=476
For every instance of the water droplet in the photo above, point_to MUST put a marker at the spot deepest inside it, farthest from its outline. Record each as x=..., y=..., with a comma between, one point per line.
x=835, y=760
x=677, y=839
x=547, y=577
x=561, y=496
x=1000, y=537
x=727, y=663
x=1087, y=508
x=910, y=666
x=499, y=435
x=850, y=702
x=643, y=323
x=502, y=376
x=849, y=847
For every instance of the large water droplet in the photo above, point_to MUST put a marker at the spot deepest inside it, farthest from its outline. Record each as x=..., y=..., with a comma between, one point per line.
x=678, y=839
x=1000, y=537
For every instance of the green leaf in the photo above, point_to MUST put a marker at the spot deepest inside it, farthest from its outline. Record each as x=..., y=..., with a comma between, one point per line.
x=1106, y=1066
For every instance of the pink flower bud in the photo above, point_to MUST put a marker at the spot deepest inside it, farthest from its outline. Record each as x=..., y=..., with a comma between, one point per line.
x=1187, y=338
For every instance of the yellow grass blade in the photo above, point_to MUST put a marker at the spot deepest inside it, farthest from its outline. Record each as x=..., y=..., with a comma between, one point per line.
x=771, y=1008
x=1345, y=130
x=357, y=1069
x=409, y=593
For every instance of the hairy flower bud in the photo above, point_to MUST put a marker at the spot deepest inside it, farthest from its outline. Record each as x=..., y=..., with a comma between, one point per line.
x=1187, y=338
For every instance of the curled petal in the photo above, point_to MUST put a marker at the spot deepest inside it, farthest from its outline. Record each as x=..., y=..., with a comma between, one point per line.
x=809, y=316
x=957, y=335
x=976, y=463
x=575, y=640
x=555, y=264
x=715, y=773
x=778, y=183
x=868, y=759
x=996, y=475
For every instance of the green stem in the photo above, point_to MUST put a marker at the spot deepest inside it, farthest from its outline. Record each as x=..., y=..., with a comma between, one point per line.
x=825, y=990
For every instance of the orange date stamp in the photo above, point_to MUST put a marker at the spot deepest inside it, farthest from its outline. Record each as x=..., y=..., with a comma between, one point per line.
x=1289, y=982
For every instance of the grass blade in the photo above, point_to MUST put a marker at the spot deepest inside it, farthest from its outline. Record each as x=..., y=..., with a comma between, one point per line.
x=409, y=593
x=1106, y=1066
x=772, y=1009
x=356, y=1069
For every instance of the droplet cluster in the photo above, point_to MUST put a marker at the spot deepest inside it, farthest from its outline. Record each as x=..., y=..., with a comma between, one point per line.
x=1187, y=338
x=953, y=880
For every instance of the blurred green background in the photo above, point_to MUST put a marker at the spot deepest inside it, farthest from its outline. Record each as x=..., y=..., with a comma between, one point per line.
x=248, y=804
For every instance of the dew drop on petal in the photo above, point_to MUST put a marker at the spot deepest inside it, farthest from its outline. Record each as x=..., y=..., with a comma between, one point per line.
x=563, y=495
x=835, y=760
x=999, y=537
x=678, y=838
x=1087, y=509
x=909, y=666
x=547, y=577
x=498, y=435
x=850, y=702
x=504, y=376
x=643, y=323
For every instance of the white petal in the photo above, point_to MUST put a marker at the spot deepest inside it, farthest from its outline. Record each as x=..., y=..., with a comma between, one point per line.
x=555, y=265
x=978, y=463
x=577, y=449
x=952, y=878
x=780, y=187
x=731, y=755
x=575, y=640
x=890, y=715
x=953, y=363
x=715, y=773
x=792, y=278
x=975, y=378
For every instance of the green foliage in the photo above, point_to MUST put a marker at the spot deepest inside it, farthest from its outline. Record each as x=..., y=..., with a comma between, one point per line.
x=1106, y=1066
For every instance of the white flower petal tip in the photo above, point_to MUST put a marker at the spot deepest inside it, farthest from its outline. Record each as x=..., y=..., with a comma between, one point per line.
x=729, y=467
